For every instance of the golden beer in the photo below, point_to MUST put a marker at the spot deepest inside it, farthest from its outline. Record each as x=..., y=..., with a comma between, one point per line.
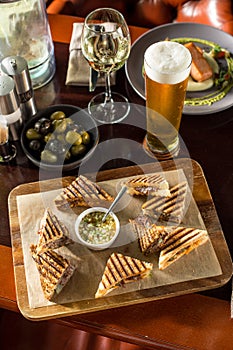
x=167, y=67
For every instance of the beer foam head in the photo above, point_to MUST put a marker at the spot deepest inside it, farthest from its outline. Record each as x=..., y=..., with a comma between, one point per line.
x=167, y=62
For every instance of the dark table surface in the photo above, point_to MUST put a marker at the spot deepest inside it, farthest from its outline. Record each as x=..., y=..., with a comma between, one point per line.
x=208, y=140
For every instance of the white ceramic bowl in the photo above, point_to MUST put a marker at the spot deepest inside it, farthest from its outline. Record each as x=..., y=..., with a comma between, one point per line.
x=96, y=246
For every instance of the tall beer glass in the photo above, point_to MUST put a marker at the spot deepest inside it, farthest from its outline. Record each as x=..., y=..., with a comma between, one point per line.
x=167, y=66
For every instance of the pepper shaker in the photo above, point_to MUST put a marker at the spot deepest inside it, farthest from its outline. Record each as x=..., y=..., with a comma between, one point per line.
x=17, y=68
x=10, y=106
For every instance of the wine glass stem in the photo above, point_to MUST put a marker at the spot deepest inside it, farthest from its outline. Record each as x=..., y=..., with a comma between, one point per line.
x=108, y=93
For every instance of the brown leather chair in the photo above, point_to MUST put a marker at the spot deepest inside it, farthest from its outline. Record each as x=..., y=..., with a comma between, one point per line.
x=151, y=13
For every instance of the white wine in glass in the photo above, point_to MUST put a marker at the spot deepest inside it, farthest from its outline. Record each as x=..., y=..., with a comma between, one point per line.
x=106, y=46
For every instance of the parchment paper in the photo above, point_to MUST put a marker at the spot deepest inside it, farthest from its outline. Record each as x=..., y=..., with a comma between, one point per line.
x=200, y=263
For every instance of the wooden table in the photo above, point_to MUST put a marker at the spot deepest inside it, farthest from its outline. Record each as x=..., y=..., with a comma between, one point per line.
x=196, y=321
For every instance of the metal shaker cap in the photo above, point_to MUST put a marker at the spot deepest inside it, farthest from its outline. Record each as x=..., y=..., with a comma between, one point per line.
x=9, y=102
x=17, y=68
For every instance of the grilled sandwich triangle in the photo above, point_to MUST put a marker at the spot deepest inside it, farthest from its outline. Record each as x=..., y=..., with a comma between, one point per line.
x=55, y=271
x=52, y=233
x=152, y=238
x=148, y=184
x=121, y=269
x=168, y=208
x=182, y=241
x=82, y=192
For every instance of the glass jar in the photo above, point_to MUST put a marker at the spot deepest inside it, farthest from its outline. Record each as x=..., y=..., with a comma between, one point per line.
x=25, y=31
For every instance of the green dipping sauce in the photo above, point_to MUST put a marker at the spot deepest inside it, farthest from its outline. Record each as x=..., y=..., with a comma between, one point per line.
x=94, y=231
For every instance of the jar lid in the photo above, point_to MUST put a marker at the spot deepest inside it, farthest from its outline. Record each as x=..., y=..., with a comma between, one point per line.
x=17, y=68
x=9, y=102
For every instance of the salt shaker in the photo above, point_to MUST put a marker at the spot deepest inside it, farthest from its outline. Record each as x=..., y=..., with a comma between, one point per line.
x=10, y=106
x=17, y=68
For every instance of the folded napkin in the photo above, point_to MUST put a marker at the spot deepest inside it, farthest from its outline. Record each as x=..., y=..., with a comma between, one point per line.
x=78, y=72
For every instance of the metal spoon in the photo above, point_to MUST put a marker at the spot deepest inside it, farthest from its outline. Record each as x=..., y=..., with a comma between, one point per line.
x=116, y=200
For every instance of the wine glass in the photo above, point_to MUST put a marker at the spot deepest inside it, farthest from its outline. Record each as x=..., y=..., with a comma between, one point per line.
x=106, y=46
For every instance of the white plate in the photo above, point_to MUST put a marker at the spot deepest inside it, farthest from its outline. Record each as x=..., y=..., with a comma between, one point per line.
x=134, y=64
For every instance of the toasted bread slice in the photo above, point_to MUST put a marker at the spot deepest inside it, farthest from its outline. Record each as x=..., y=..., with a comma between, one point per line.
x=84, y=193
x=151, y=237
x=53, y=233
x=148, y=184
x=121, y=269
x=55, y=271
x=168, y=208
x=182, y=241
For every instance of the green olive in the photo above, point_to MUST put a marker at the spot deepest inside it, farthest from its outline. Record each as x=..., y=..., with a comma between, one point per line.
x=85, y=137
x=61, y=137
x=60, y=125
x=48, y=157
x=49, y=137
x=73, y=138
x=69, y=121
x=32, y=134
x=77, y=150
x=58, y=115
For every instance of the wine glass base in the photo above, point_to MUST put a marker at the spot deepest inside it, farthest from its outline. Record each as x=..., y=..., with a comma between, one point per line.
x=109, y=112
x=161, y=156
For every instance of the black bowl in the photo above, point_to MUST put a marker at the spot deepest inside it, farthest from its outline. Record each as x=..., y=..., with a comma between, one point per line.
x=81, y=118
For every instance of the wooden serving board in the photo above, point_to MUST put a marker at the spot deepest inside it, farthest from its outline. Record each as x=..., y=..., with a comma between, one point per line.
x=205, y=205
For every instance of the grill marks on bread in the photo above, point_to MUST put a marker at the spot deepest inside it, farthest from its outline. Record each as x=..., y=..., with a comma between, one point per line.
x=146, y=184
x=170, y=241
x=168, y=208
x=53, y=233
x=124, y=267
x=154, y=239
x=82, y=192
x=179, y=236
x=182, y=241
x=54, y=270
x=121, y=269
x=151, y=237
